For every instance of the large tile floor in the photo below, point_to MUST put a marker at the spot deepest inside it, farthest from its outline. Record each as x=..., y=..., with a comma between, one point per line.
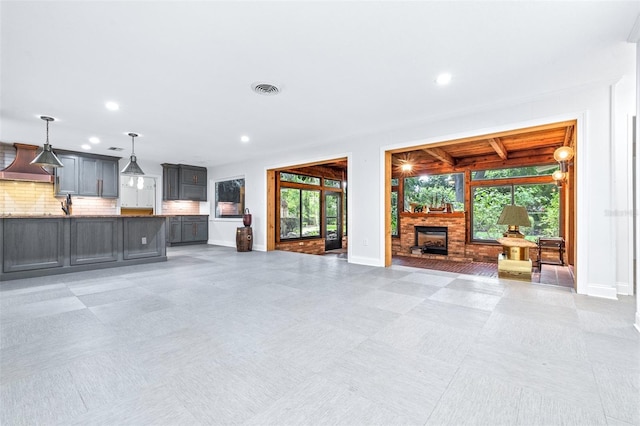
x=218, y=337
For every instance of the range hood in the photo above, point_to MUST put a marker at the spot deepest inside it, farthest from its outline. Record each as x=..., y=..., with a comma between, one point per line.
x=22, y=169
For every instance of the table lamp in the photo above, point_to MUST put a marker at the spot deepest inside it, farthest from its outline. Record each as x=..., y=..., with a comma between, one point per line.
x=514, y=216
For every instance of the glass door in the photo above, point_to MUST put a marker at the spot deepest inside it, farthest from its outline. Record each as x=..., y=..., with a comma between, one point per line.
x=332, y=220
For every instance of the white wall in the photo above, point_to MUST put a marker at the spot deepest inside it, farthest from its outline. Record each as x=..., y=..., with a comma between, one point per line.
x=623, y=101
x=591, y=106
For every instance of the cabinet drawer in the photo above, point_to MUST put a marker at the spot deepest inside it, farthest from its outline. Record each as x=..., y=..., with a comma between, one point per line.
x=195, y=218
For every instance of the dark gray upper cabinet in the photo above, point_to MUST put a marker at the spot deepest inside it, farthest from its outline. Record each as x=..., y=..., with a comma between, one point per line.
x=170, y=182
x=87, y=175
x=98, y=177
x=182, y=182
x=67, y=176
x=192, y=175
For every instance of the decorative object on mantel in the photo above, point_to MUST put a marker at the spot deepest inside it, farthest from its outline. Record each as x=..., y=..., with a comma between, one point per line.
x=47, y=157
x=514, y=216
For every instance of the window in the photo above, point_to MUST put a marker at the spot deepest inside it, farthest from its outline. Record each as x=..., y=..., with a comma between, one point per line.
x=299, y=213
x=434, y=190
x=542, y=201
x=230, y=198
x=295, y=178
x=332, y=183
x=544, y=170
x=394, y=213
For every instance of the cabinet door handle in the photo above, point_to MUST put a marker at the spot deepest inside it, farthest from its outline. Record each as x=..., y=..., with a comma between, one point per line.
x=98, y=187
x=193, y=229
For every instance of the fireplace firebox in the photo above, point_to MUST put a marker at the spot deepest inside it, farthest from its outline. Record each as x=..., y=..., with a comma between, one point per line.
x=432, y=239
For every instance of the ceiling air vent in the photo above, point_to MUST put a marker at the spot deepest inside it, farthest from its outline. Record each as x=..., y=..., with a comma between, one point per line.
x=265, y=89
x=115, y=148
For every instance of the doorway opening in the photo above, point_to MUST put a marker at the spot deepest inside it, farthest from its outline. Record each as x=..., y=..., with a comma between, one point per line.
x=464, y=184
x=307, y=208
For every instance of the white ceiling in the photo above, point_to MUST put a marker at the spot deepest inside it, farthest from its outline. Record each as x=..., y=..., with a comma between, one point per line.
x=181, y=71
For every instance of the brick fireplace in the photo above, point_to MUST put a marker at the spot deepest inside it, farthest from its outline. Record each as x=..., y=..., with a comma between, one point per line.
x=431, y=239
x=454, y=223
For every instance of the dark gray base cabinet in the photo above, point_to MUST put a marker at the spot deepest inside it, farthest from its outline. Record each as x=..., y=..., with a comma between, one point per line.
x=30, y=244
x=143, y=239
x=188, y=230
x=175, y=230
x=33, y=247
x=94, y=240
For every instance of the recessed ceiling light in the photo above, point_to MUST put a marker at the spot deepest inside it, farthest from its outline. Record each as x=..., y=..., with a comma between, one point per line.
x=443, y=79
x=244, y=138
x=85, y=146
x=94, y=139
x=112, y=106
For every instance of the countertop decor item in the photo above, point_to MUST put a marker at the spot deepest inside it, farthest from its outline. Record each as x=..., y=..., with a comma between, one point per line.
x=47, y=157
x=132, y=167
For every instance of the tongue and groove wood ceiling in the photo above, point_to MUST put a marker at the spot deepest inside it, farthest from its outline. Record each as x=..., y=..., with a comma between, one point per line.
x=524, y=147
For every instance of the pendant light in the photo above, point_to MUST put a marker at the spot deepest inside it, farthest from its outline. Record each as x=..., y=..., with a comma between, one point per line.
x=47, y=157
x=132, y=167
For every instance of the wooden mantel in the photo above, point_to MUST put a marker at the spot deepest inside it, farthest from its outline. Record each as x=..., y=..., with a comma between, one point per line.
x=433, y=215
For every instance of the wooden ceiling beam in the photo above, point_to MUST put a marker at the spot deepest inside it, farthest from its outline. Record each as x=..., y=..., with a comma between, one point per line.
x=441, y=155
x=478, y=163
x=499, y=148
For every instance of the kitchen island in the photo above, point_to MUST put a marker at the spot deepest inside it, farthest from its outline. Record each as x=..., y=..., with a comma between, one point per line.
x=35, y=246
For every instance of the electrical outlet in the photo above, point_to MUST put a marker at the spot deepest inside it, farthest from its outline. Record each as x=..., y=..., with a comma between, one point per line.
x=144, y=240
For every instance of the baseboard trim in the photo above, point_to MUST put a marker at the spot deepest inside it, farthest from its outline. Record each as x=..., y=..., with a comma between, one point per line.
x=222, y=243
x=598, y=290
x=368, y=261
x=624, y=289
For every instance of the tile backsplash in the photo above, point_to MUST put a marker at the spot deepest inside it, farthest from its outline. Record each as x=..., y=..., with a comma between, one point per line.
x=180, y=207
x=37, y=198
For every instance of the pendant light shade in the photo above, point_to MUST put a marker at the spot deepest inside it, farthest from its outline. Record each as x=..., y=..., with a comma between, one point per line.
x=132, y=167
x=47, y=156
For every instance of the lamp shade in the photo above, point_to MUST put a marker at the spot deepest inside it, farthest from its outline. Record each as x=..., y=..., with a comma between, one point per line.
x=514, y=216
x=564, y=153
x=47, y=157
x=132, y=168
